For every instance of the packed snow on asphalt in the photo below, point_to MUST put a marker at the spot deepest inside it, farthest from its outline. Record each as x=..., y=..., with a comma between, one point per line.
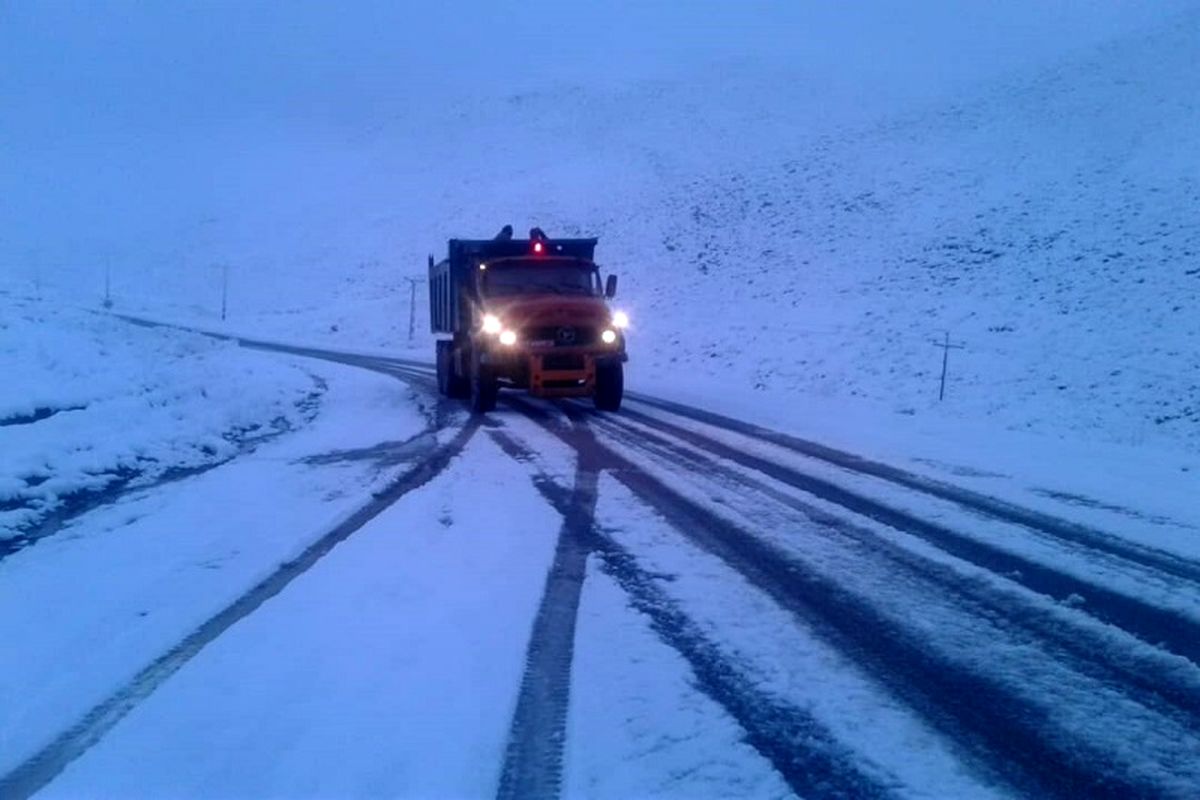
x=412, y=601
x=247, y=549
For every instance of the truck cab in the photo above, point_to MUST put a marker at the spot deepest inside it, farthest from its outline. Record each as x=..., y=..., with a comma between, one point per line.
x=528, y=314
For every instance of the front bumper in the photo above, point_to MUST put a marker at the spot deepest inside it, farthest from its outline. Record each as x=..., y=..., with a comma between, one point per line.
x=557, y=372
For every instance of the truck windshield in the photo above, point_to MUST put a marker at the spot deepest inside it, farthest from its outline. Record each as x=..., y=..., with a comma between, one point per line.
x=541, y=277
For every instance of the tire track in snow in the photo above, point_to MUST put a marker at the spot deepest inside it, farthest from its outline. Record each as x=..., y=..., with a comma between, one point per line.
x=998, y=732
x=1160, y=560
x=972, y=710
x=83, y=502
x=1155, y=625
x=993, y=727
x=41, y=768
x=533, y=758
x=1169, y=688
x=996, y=508
x=808, y=757
x=804, y=752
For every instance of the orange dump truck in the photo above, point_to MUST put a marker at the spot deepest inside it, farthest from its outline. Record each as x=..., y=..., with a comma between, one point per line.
x=527, y=314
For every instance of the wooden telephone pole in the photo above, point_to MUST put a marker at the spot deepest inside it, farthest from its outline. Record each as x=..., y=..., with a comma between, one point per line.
x=108, y=303
x=946, y=348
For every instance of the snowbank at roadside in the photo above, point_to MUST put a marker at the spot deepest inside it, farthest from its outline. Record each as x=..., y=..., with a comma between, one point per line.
x=92, y=404
x=125, y=577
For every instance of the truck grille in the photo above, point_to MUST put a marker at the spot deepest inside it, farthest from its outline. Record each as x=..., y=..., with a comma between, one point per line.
x=561, y=362
x=562, y=335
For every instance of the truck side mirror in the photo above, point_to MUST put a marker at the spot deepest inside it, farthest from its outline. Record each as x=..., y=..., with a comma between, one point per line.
x=610, y=287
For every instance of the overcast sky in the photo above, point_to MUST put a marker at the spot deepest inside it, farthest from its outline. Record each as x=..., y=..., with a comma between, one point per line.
x=118, y=119
x=181, y=62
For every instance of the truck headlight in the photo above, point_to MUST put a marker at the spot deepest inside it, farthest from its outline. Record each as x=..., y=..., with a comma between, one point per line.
x=508, y=338
x=491, y=324
x=608, y=336
x=620, y=319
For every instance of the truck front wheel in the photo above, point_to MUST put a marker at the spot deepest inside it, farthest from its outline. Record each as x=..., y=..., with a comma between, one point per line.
x=484, y=387
x=610, y=386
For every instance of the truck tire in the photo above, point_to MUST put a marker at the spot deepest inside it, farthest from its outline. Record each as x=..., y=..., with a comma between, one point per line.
x=443, y=368
x=484, y=387
x=458, y=385
x=610, y=386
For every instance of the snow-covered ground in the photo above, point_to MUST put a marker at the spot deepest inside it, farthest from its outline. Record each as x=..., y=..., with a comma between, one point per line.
x=120, y=575
x=229, y=572
x=92, y=407
x=389, y=687
x=799, y=211
x=351, y=607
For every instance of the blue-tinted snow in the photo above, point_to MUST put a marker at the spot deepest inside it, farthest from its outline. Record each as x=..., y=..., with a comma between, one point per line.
x=798, y=199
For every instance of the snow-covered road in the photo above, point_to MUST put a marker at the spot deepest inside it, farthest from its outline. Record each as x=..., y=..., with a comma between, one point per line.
x=550, y=601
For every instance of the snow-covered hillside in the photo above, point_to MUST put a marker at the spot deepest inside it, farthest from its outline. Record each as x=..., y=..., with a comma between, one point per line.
x=1044, y=223
x=796, y=213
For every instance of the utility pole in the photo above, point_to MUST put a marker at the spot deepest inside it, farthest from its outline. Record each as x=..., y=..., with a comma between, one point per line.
x=107, y=285
x=412, y=306
x=946, y=348
x=224, y=289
